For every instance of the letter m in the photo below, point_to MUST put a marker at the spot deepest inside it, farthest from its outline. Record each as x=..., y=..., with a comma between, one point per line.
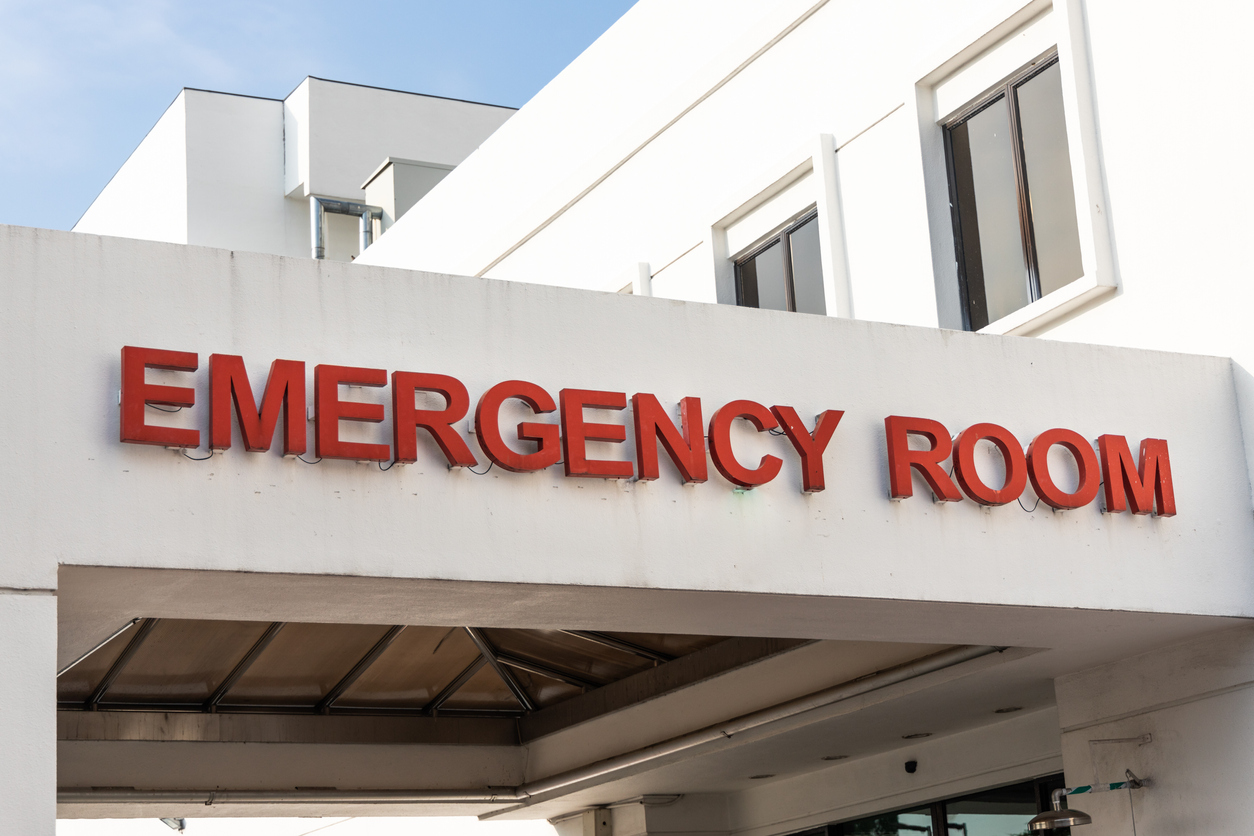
x=228, y=383
x=1142, y=487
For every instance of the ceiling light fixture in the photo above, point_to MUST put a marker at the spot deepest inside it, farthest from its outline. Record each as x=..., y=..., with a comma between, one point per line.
x=916, y=735
x=760, y=777
x=834, y=757
x=1010, y=709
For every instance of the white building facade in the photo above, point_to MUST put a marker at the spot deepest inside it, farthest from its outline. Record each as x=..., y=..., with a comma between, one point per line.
x=241, y=172
x=919, y=490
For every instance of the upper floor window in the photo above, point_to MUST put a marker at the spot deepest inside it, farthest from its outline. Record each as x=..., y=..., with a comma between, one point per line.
x=784, y=273
x=1012, y=196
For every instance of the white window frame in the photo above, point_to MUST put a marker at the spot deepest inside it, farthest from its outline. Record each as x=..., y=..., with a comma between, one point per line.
x=962, y=70
x=770, y=202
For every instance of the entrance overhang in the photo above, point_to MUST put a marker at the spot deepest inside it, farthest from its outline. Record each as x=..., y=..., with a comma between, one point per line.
x=120, y=531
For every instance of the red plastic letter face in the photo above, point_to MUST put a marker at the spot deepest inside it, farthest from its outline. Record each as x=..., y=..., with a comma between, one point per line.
x=809, y=446
x=901, y=458
x=488, y=427
x=721, y=448
x=1085, y=462
x=407, y=418
x=1011, y=453
x=137, y=394
x=686, y=447
x=1142, y=487
x=285, y=389
x=576, y=432
x=330, y=410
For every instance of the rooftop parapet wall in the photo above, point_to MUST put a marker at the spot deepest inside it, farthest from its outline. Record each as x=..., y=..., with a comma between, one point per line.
x=217, y=167
x=147, y=196
x=75, y=495
x=339, y=133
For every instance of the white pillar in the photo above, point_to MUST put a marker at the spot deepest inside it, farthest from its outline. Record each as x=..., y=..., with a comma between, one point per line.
x=594, y=822
x=837, y=293
x=1179, y=716
x=642, y=281
x=28, y=712
x=701, y=814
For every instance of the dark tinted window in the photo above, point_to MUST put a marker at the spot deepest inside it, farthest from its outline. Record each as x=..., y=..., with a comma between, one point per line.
x=1004, y=811
x=1000, y=812
x=1015, y=229
x=785, y=273
x=807, y=268
x=905, y=823
x=763, y=279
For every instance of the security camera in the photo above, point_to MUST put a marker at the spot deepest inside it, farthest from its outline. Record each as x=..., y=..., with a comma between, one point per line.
x=912, y=766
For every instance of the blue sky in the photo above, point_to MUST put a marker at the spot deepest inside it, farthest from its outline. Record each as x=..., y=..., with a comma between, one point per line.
x=82, y=82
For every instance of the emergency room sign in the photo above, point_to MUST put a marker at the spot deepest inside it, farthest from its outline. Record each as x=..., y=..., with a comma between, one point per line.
x=1141, y=485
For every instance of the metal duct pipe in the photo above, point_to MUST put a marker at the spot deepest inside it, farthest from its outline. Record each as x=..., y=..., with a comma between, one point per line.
x=527, y=792
x=328, y=796
x=112, y=636
x=365, y=230
x=320, y=206
x=758, y=719
x=316, y=225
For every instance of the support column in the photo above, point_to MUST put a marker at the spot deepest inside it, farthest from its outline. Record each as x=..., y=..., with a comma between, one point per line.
x=700, y=814
x=587, y=823
x=1178, y=716
x=28, y=712
x=642, y=282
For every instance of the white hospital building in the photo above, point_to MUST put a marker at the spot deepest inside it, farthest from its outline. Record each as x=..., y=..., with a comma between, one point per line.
x=804, y=417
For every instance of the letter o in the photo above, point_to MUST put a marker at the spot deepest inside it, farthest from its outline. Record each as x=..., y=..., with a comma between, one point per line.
x=1085, y=462
x=1011, y=453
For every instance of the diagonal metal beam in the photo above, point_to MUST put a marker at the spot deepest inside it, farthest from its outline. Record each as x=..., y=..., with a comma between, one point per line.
x=324, y=705
x=544, y=670
x=458, y=681
x=489, y=653
x=115, y=634
x=606, y=640
x=120, y=663
x=241, y=667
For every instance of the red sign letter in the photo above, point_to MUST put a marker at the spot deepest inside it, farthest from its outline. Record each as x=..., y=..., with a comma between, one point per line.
x=406, y=417
x=488, y=427
x=228, y=381
x=686, y=451
x=1141, y=487
x=809, y=446
x=901, y=458
x=576, y=431
x=721, y=449
x=136, y=394
x=329, y=410
x=1011, y=453
x=1085, y=462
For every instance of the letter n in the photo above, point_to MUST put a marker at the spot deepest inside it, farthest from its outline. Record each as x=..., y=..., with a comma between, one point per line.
x=685, y=446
